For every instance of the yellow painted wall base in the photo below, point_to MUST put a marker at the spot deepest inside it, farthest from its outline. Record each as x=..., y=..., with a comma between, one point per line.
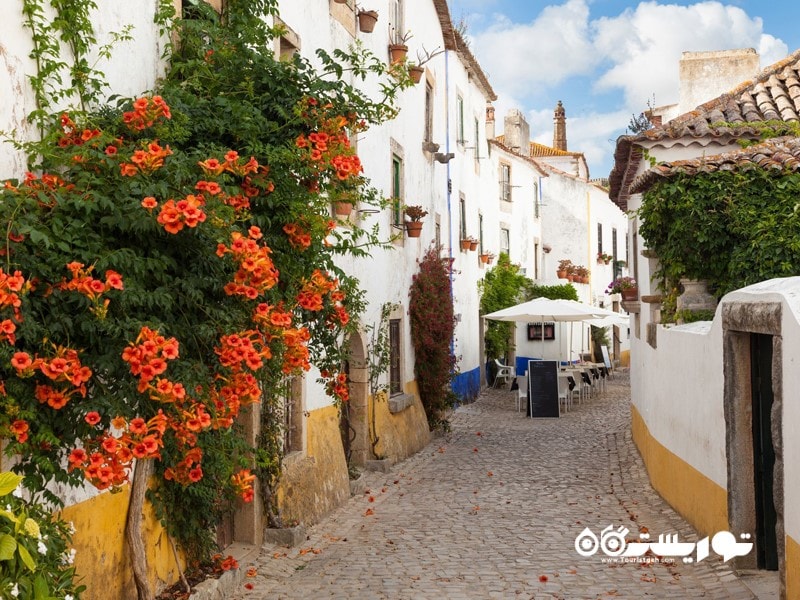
x=792, y=568
x=625, y=358
x=314, y=483
x=404, y=433
x=699, y=500
x=101, y=558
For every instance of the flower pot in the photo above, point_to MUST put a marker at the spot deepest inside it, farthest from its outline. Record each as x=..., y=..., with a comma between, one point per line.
x=367, y=20
x=473, y=245
x=343, y=209
x=413, y=228
x=465, y=244
x=398, y=53
x=630, y=293
x=561, y=274
x=415, y=73
x=484, y=258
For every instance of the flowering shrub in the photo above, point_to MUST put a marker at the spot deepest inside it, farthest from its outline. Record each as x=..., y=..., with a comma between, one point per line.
x=621, y=283
x=35, y=559
x=200, y=262
x=432, y=327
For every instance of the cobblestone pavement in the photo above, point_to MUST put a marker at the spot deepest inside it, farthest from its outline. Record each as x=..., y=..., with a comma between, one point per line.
x=492, y=510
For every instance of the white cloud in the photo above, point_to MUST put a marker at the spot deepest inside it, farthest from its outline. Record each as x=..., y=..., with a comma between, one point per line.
x=631, y=58
x=523, y=56
x=645, y=45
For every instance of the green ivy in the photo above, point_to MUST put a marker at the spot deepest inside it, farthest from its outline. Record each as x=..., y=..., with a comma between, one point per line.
x=503, y=286
x=730, y=228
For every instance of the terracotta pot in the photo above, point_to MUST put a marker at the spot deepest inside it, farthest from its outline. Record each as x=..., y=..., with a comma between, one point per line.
x=561, y=274
x=465, y=244
x=367, y=20
x=398, y=52
x=473, y=246
x=630, y=293
x=416, y=73
x=484, y=258
x=413, y=228
x=343, y=208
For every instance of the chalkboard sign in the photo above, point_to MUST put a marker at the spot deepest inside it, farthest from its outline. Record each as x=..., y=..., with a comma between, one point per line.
x=543, y=388
x=606, y=359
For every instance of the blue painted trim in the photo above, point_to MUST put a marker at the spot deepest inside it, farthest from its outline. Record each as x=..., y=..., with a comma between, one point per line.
x=521, y=365
x=467, y=385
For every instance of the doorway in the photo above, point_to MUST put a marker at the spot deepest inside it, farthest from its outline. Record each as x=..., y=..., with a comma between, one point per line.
x=753, y=407
x=763, y=451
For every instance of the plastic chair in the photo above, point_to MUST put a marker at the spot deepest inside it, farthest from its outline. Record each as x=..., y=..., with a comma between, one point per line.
x=504, y=372
x=522, y=391
x=564, y=393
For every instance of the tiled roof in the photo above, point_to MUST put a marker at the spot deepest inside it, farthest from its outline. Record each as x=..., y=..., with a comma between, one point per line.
x=537, y=150
x=776, y=153
x=446, y=23
x=774, y=95
x=499, y=142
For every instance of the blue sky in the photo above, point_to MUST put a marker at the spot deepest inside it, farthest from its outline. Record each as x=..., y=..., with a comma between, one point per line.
x=605, y=59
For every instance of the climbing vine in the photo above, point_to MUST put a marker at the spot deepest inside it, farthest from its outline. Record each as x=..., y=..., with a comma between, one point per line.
x=432, y=331
x=171, y=259
x=731, y=228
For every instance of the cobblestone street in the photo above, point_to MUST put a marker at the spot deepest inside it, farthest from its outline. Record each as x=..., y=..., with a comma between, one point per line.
x=492, y=510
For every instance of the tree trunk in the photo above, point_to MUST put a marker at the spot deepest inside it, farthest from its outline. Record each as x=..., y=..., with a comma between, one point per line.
x=133, y=529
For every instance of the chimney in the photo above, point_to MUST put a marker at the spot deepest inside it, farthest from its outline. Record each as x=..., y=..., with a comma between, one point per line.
x=517, y=132
x=560, y=128
x=490, y=133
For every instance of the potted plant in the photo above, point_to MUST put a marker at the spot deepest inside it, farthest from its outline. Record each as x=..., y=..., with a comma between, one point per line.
x=582, y=274
x=603, y=258
x=367, y=20
x=486, y=257
x=398, y=50
x=621, y=264
x=415, y=214
x=465, y=243
x=626, y=286
x=343, y=205
x=473, y=244
x=563, y=268
x=416, y=69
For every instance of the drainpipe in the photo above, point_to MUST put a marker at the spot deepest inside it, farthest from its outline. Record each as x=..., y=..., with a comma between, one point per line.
x=448, y=185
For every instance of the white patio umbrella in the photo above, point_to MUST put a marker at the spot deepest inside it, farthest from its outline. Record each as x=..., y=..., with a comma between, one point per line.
x=540, y=310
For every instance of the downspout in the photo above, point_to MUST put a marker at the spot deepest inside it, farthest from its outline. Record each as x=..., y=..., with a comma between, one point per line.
x=448, y=185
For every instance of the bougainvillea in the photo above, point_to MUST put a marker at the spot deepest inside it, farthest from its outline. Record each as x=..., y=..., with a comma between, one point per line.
x=432, y=333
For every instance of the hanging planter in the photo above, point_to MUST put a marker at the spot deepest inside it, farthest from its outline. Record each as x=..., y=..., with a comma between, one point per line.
x=413, y=229
x=484, y=258
x=367, y=20
x=473, y=244
x=398, y=53
x=416, y=72
x=342, y=208
x=465, y=243
x=630, y=293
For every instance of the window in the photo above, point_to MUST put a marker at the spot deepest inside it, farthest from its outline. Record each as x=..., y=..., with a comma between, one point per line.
x=396, y=22
x=536, y=260
x=462, y=213
x=292, y=428
x=477, y=140
x=397, y=189
x=505, y=182
x=599, y=239
x=460, y=119
x=395, y=379
x=428, y=134
x=505, y=240
x=480, y=232
x=617, y=268
x=536, y=214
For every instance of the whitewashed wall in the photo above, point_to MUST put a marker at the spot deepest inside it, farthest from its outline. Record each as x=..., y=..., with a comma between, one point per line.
x=126, y=75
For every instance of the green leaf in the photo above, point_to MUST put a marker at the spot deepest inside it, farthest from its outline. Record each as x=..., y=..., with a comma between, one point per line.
x=7, y=546
x=26, y=557
x=8, y=482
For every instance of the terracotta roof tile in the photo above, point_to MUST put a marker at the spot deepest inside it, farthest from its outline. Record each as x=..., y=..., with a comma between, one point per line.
x=773, y=95
x=538, y=150
x=781, y=153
